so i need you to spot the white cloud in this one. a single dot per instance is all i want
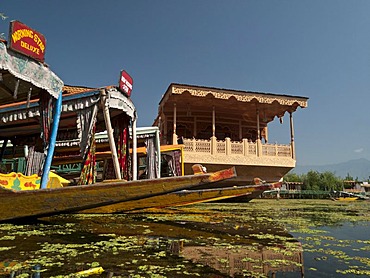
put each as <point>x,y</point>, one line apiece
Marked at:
<point>359,150</point>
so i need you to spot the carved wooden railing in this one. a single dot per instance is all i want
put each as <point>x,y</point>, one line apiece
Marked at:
<point>228,147</point>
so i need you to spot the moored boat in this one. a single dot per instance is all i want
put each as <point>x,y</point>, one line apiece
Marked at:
<point>347,196</point>
<point>179,198</point>
<point>45,202</point>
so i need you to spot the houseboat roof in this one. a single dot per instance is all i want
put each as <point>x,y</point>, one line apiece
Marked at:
<point>21,118</point>
<point>228,101</point>
<point>22,78</point>
<point>228,91</point>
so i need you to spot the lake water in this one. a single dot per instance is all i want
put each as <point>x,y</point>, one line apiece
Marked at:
<point>263,238</point>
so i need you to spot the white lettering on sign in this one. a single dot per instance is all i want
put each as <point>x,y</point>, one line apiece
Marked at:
<point>127,86</point>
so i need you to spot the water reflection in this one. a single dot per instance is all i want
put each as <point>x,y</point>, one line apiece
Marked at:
<point>249,261</point>
<point>15,269</point>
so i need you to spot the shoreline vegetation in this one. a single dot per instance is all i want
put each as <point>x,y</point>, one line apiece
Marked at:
<point>304,194</point>
<point>319,185</point>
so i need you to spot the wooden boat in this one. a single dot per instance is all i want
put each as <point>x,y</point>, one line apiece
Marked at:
<point>44,202</point>
<point>198,194</point>
<point>178,198</point>
<point>260,187</point>
<point>344,196</point>
<point>346,199</point>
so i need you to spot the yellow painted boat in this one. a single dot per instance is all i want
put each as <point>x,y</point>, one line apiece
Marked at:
<point>179,198</point>
<point>51,201</point>
<point>347,199</point>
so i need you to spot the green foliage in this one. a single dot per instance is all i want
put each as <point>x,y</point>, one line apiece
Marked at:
<point>348,178</point>
<point>313,180</point>
<point>292,177</point>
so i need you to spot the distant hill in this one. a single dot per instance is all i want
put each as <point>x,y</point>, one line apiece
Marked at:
<point>357,168</point>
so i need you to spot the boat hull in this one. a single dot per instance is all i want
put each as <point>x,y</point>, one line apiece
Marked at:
<point>45,202</point>
<point>178,198</point>
<point>347,199</point>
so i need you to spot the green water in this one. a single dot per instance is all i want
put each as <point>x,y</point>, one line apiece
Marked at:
<point>263,238</point>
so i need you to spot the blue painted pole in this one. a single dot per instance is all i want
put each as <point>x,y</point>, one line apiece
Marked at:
<point>52,141</point>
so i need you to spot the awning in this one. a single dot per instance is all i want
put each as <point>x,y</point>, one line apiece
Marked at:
<point>14,67</point>
<point>118,101</point>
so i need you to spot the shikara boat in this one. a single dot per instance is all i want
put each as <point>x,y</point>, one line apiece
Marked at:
<point>51,201</point>
<point>178,198</point>
<point>347,196</point>
<point>259,187</point>
<point>199,194</point>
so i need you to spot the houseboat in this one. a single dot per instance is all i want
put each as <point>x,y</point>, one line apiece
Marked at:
<point>222,127</point>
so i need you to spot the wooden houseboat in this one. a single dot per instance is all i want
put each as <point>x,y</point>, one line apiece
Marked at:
<point>221,127</point>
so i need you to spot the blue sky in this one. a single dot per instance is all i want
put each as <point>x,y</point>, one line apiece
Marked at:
<point>317,49</point>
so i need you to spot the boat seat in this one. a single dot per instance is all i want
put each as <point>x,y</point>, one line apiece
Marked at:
<point>18,181</point>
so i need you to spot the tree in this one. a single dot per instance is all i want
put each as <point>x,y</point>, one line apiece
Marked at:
<point>312,180</point>
<point>348,178</point>
<point>329,182</point>
<point>292,177</point>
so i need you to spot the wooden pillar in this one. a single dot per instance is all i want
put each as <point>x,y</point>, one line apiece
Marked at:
<point>245,147</point>
<point>292,144</point>
<point>228,146</point>
<point>134,149</point>
<point>240,130</point>
<point>174,135</point>
<point>108,126</point>
<point>258,141</point>
<point>195,127</point>
<point>158,149</point>
<point>258,125</point>
<point>213,122</point>
<point>165,131</point>
<point>213,138</point>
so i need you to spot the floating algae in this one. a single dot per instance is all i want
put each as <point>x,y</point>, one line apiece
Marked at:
<point>315,238</point>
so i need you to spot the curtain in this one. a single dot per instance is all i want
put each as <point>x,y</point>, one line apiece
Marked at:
<point>121,132</point>
<point>177,159</point>
<point>89,172</point>
<point>151,159</point>
<point>173,160</point>
<point>37,152</point>
<point>121,137</point>
<point>35,160</point>
<point>86,120</point>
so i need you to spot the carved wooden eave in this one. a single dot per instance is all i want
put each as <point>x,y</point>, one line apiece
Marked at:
<point>242,96</point>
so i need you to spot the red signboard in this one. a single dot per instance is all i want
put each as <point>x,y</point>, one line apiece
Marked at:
<point>27,41</point>
<point>125,83</point>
